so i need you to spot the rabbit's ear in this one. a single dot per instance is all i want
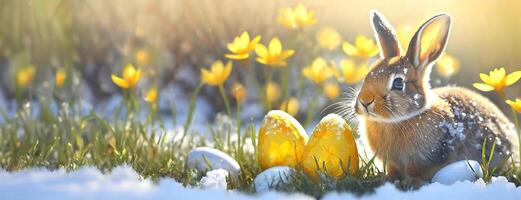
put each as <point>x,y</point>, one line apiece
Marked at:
<point>429,41</point>
<point>384,32</point>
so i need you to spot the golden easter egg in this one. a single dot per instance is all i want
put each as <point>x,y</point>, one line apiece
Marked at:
<point>331,149</point>
<point>281,141</point>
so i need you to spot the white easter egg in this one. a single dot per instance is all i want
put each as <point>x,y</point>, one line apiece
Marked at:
<point>205,159</point>
<point>273,177</point>
<point>464,170</point>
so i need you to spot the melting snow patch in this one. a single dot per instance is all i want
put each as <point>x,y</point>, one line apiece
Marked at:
<point>215,179</point>
<point>499,188</point>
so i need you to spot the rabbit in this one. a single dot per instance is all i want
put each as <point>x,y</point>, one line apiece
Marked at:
<point>418,130</point>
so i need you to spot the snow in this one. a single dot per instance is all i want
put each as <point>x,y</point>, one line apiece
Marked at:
<point>499,188</point>
<point>125,183</point>
<point>215,179</point>
<point>120,183</point>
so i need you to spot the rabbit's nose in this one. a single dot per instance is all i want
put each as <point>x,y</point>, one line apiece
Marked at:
<point>366,103</point>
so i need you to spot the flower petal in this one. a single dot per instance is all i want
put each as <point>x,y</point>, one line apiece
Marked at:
<point>286,54</point>
<point>129,71</point>
<point>275,47</point>
<point>512,78</point>
<point>261,50</point>
<point>483,87</point>
<point>207,77</point>
<point>237,56</point>
<point>254,43</point>
<point>227,70</point>
<point>119,81</point>
<point>349,49</point>
<point>485,78</point>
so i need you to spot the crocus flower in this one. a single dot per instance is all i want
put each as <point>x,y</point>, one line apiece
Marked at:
<point>497,80</point>
<point>217,74</point>
<point>364,47</point>
<point>273,55</point>
<point>130,77</point>
<point>241,46</point>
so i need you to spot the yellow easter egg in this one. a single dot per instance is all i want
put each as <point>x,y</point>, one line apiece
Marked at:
<point>331,149</point>
<point>281,141</point>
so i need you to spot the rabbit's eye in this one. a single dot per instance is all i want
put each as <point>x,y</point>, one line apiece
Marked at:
<point>397,84</point>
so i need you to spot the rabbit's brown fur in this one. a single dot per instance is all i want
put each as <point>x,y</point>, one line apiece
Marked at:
<point>420,129</point>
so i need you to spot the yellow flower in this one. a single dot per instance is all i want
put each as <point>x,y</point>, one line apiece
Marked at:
<point>351,74</point>
<point>328,38</point>
<point>516,105</point>
<point>272,92</point>
<point>331,90</point>
<point>25,76</point>
<point>291,106</point>
<point>130,78</point>
<point>242,46</point>
<point>318,72</point>
<point>405,33</point>
<point>447,66</point>
<point>151,96</point>
<point>273,55</point>
<point>296,18</point>
<point>142,57</point>
<point>60,77</point>
<point>364,47</point>
<point>217,74</point>
<point>239,92</point>
<point>497,80</point>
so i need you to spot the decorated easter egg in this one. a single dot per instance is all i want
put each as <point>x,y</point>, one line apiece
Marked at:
<point>331,149</point>
<point>465,170</point>
<point>273,178</point>
<point>281,140</point>
<point>205,159</point>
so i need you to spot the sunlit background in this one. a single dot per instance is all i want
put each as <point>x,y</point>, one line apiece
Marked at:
<point>171,41</point>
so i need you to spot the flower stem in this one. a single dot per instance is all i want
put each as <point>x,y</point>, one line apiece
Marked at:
<point>268,81</point>
<point>312,107</point>
<point>191,108</point>
<point>239,129</point>
<point>225,99</point>
<point>516,123</point>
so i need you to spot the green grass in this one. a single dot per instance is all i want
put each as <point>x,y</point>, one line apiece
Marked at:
<point>69,140</point>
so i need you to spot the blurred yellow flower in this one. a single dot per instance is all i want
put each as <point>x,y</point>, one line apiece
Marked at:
<point>296,18</point>
<point>151,96</point>
<point>516,105</point>
<point>364,47</point>
<point>273,55</point>
<point>25,76</point>
<point>447,65</point>
<point>60,77</point>
<point>405,33</point>
<point>241,46</point>
<point>350,74</point>
<point>131,76</point>
<point>318,71</point>
<point>239,92</point>
<point>142,57</point>
<point>332,90</point>
<point>217,74</point>
<point>291,106</point>
<point>272,92</point>
<point>497,80</point>
<point>328,38</point>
